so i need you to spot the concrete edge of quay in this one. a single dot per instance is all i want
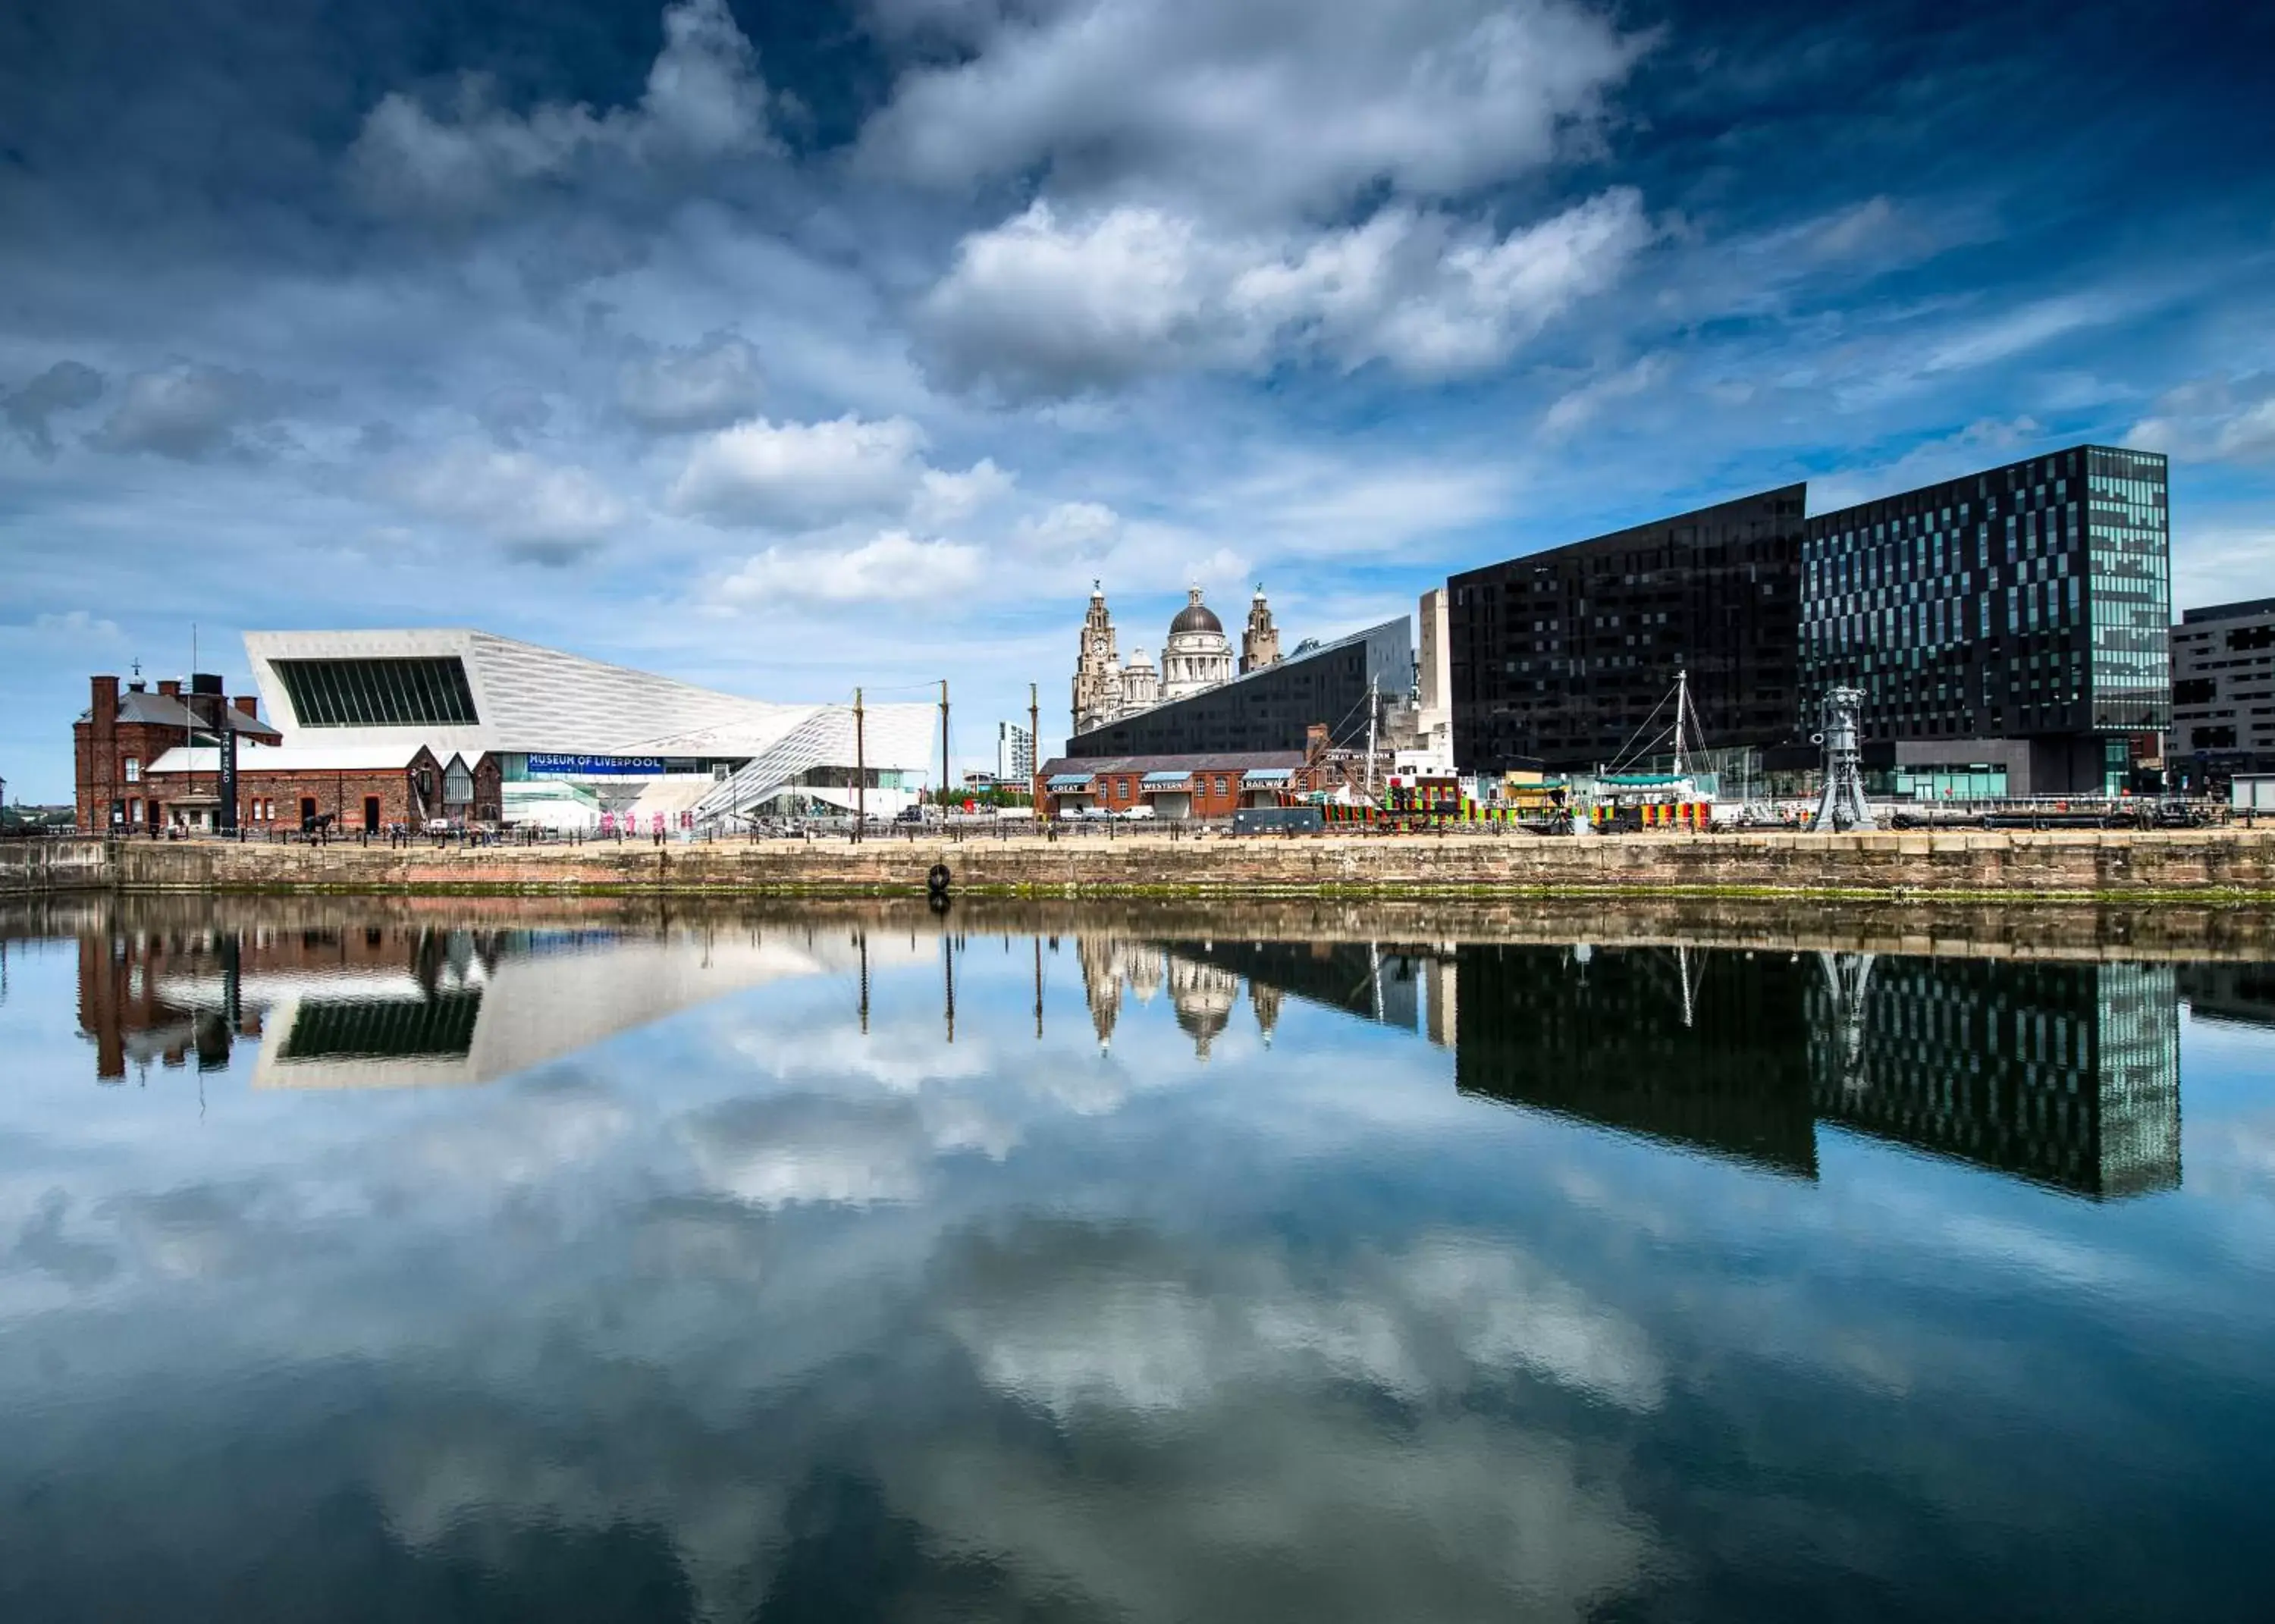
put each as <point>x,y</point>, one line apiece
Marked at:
<point>2224,866</point>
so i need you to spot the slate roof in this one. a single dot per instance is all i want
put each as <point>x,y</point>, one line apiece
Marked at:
<point>164,711</point>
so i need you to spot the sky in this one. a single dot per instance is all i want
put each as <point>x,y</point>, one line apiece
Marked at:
<point>786,348</point>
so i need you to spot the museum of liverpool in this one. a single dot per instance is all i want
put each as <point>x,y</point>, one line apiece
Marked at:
<point>562,741</point>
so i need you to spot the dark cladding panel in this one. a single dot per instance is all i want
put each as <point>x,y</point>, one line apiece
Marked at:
<point>1271,709</point>
<point>1561,657</point>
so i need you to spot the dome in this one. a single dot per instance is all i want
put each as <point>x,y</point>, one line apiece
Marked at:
<point>1195,616</point>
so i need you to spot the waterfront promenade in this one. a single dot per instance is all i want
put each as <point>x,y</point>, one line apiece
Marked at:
<point>2056,864</point>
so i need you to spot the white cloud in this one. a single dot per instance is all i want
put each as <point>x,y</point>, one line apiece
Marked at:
<point>543,512</point>
<point>2023,329</point>
<point>705,385</point>
<point>2213,419</point>
<point>1276,104</point>
<point>704,99</point>
<point>801,476</point>
<point>1043,306</point>
<point>943,498</point>
<point>1581,406</point>
<point>893,567</point>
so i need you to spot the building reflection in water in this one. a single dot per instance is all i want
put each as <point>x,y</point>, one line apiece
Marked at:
<point>405,1006</point>
<point>1666,1043</point>
<point>2238,994</point>
<point>2063,1072</point>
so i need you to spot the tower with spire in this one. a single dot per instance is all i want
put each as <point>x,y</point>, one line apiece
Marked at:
<point>1259,645</point>
<point>1097,670</point>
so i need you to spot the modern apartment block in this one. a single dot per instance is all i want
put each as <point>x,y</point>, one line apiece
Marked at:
<point>1560,658</point>
<point>2009,628</point>
<point>2223,692</point>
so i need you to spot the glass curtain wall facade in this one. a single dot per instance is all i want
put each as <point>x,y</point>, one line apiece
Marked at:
<point>1561,657</point>
<point>2030,601</point>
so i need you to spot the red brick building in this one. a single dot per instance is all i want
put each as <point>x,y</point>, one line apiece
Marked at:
<point>1205,786</point>
<point>125,730</point>
<point>355,789</point>
<point>145,761</point>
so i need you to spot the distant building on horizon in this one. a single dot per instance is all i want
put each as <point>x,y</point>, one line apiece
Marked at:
<point>2223,659</point>
<point>1015,753</point>
<point>1331,685</point>
<point>1196,656</point>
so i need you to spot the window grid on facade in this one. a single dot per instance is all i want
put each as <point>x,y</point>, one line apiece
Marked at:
<point>389,692</point>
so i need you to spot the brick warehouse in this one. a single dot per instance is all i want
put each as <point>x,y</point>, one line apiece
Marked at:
<point>141,767</point>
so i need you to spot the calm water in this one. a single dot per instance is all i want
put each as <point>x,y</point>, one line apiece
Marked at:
<point>392,1265</point>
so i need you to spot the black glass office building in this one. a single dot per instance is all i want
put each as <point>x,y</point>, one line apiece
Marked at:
<point>2008,629</point>
<point>1560,658</point>
<point>1333,685</point>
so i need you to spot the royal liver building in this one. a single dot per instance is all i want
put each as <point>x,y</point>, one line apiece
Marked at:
<point>1196,656</point>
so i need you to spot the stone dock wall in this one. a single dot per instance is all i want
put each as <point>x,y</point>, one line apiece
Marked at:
<point>2076,864</point>
<point>41,867</point>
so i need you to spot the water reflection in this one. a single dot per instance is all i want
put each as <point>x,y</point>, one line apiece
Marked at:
<point>860,1262</point>
<point>2062,1072</point>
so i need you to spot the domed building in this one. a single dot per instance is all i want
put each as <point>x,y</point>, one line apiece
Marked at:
<point>1195,657</point>
<point>1198,655</point>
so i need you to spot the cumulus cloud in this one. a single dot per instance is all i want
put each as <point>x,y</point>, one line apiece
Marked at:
<point>942,497</point>
<point>894,567</point>
<point>193,412</point>
<point>67,386</point>
<point>800,476</point>
<point>1275,104</point>
<point>705,385</point>
<point>542,512</point>
<point>704,99</point>
<point>2213,419</point>
<point>1045,304</point>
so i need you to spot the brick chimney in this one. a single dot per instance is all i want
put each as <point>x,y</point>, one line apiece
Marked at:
<point>170,687</point>
<point>247,705</point>
<point>98,774</point>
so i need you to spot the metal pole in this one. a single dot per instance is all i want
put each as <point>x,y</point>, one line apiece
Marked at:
<point>943,753</point>
<point>860,809</point>
<point>1371,707</point>
<point>1034,758</point>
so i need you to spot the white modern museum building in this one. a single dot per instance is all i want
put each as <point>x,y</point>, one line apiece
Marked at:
<point>575,740</point>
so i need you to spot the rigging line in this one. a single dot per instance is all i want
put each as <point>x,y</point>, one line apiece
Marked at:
<point>1624,750</point>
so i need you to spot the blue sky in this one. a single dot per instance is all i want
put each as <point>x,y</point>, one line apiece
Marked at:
<point>791,347</point>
